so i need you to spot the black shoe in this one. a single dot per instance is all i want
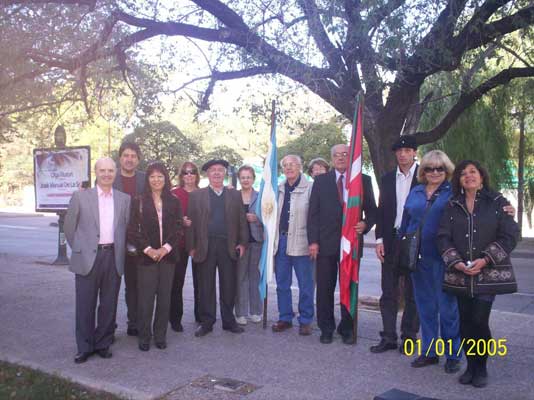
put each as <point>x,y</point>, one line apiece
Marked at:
<point>144,346</point>
<point>80,358</point>
<point>234,329</point>
<point>177,327</point>
<point>467,377</point>
<point>452,366</point>
<point>161,346</point>
<point>383,346</point>
<point>104,353</point>
<point>132,332</point>
<point>423,361</point>
<point>202,331</point>
<point>480,379</point>
<point>326,338</point>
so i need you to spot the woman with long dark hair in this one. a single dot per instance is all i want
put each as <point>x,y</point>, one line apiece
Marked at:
<point>475,239</point>
<point>155,228</point>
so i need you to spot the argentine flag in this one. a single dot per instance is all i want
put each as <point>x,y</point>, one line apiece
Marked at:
<point>267,209</point>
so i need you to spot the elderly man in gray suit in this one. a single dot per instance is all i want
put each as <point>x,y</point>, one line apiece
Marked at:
<point>95,228</point>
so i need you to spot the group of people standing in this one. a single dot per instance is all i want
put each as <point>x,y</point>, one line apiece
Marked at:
<point>464,224</point>
<point>218,228</point>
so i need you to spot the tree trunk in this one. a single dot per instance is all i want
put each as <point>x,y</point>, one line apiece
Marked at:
<point>521,172</point>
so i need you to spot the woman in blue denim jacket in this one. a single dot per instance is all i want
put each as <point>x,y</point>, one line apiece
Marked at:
<point>438,310</point>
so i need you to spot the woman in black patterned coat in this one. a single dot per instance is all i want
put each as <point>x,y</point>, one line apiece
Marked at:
<point>475,239</point>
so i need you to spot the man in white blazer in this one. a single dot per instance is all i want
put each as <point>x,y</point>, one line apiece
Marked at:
<point>95,228</point>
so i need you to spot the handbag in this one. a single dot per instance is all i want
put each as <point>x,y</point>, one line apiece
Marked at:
<point>409,245</point>
<point>131,249</point>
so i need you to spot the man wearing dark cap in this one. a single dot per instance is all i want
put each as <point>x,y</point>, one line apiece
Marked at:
<point>394,189</point>
<point>217,237</point>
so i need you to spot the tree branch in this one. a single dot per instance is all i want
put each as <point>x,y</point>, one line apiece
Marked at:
<point>376,17</point>
<point>476,33</point>
<point>35,106</point>
<point>515,54</point>
<point>223,13</point>
<point>19,78</point>
<point>90,3</point>
<point>467,99</point>
<point>317,79</point>
<point>429,55</point>
<point>479,63</point>
<point>317,31</point>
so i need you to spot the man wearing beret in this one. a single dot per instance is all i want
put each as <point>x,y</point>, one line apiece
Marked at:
<point>394,189</point>
<point>217,237</point>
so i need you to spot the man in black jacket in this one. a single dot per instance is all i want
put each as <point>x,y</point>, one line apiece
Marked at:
<point>394,189</point>
<point>325,217</point>
<point>132,182</point>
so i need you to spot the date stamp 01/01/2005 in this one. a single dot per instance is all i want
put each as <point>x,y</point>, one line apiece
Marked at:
<point>472,347</point>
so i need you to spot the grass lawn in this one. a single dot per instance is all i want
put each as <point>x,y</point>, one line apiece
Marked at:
<point>21,383</point>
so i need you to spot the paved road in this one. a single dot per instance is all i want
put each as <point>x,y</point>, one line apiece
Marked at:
<point>30,235</point>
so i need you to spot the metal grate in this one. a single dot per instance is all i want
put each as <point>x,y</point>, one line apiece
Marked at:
<point>224,384</point>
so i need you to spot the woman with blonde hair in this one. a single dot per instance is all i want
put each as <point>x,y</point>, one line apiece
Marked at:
<point>438,310</point>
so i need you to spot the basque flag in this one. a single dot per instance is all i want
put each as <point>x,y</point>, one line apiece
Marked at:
<point>349,264</point>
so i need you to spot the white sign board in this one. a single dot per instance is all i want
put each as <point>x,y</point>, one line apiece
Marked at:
<point>57,174</point>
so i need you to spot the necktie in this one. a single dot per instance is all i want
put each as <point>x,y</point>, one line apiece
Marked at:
<point>340,188</point>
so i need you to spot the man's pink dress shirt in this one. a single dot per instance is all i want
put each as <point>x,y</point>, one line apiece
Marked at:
<point>105,215</point>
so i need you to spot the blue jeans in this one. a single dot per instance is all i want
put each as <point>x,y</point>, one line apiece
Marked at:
<point>438,310</point>
<point>284,273</point>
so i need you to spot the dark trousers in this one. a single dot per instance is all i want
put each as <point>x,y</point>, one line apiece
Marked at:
<point>327,267</point>
<point>474,324</point>
<point>177,302</point>
<point>130,289</point>
<point>100,285</point>
<point>154,284</point>
<point>217,258</point>
<point>389,304</point>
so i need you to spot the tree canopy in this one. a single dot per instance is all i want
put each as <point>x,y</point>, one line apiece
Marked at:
<point>336,48</point>
<point>163,141</point>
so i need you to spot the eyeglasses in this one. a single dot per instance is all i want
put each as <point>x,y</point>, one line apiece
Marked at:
<point>341,155</point>
<point>189,172</point>
<point>434,169</point>
<point>290,165</point>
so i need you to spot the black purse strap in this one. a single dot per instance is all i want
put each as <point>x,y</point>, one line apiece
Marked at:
<point>429,203</point>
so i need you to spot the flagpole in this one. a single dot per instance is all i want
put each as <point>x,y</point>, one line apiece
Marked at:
<point>265,303</point>
<point>360,98</point>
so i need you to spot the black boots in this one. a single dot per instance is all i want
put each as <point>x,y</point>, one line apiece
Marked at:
<point>476,372</point>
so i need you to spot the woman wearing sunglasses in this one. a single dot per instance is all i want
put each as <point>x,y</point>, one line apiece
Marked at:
<point>188,180</point>
<point>438,310</point>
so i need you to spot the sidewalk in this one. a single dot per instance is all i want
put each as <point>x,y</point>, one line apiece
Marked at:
<point>37,330</point>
